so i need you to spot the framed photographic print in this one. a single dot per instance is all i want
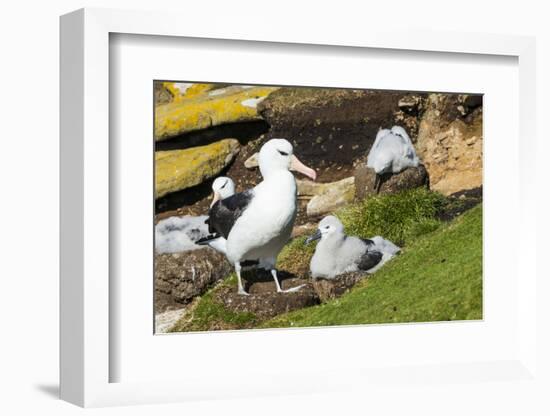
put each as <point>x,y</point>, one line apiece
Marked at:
<point>330,222</point>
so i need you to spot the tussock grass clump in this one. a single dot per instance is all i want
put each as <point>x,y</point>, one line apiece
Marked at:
<point>398,218</point>
<point>295,257</point>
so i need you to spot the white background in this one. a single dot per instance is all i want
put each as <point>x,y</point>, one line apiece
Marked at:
<point>145,358</point>
<point>29,114</point>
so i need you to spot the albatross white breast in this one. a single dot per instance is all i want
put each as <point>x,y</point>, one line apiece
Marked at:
<point>258,223</point>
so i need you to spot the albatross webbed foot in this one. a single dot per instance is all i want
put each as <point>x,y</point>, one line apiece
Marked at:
<point>292,289</point>
<point>279,290</point>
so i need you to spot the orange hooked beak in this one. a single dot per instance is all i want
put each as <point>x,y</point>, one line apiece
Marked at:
<point>298,166</point>
<point>215,199</point>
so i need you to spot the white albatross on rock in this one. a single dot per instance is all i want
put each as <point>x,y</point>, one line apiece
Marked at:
<point>258,223</point>
<point>337,253</point>
<point>391,152</point>
<point>222,187</point>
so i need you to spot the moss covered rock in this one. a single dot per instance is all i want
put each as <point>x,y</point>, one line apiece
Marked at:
<point>180,169</point>
<point>218,106</point>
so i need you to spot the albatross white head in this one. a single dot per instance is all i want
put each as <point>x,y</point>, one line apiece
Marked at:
<point>277,154</point>
<point>329,228</point>
<point>223,187</point>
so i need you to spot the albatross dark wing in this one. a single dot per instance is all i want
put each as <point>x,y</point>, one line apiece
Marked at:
<point>370,258</point>
<point>225,212</point>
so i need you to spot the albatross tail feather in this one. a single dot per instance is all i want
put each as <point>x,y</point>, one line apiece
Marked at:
<point>205,240</point>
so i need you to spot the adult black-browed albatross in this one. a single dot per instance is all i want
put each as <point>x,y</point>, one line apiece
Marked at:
<point>392,152</point>
<point>337,253</point>
<point>257,223</point>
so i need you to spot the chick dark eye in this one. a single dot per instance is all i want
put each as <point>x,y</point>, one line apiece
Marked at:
<point>283,153</point>
<point>223,186</point>
<point>327,227</point>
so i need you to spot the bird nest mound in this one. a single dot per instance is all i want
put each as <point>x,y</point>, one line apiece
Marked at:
<point>263,300</point>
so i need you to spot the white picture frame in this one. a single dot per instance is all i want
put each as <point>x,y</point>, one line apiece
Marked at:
<point>86,356</point>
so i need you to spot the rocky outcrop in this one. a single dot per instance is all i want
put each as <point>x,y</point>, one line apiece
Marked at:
<point>180,169</point>
<point>328,289</point>
<point>391,183</point>
<point>168,92</point>
<point>450,142</point>
<point>183,90</point>
<point>207,109</point>
<point>304,229</point>
<point>166,320</point>
<point>410,109</point>
<point>161,93</point>
<point>182,276</point>
<point>332,196</point>
<point>252,161</point>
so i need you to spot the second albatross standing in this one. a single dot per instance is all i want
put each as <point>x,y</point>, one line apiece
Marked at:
<point>223,187</point>
<point>258,223</point>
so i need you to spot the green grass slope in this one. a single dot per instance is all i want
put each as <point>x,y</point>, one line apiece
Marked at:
<point>438,277</point>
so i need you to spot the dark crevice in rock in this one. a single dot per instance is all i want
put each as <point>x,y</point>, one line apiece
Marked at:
<point>198,196</point>
<point>243,132</point>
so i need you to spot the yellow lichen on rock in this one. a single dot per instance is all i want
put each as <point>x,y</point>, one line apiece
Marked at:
<point>225,105</point>
<point>180,169</point>
<point>183,91</point>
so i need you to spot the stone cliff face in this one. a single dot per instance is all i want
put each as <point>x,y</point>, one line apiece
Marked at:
<point>450,142</point>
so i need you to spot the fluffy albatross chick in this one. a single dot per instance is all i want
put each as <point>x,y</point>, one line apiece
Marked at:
<point>337,253</point>
<point>222,187</point>
<point>392,152</point>
<point>257,223</point>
